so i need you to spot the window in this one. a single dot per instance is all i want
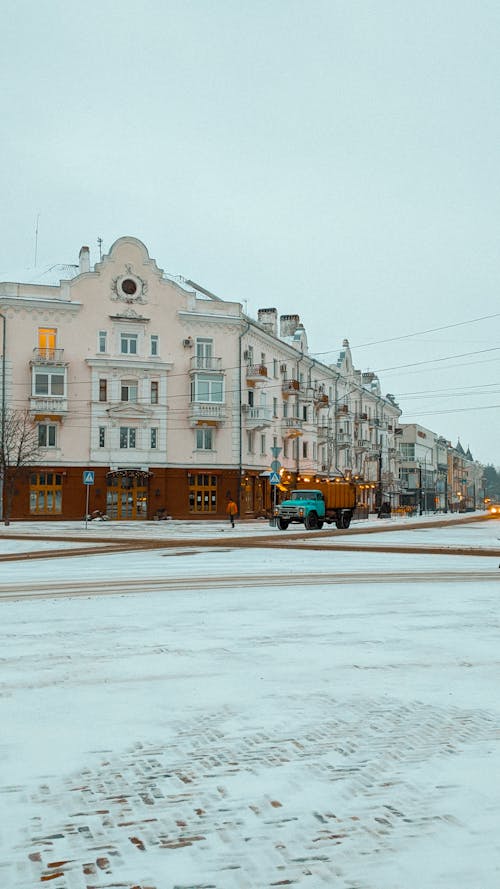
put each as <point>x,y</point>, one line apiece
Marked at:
<point>202,492</point>
<point>128,343</point>
<point>262,445</point>
<point>207,388</point>
<point>285,408</point>
<point>154,344</point>
<point>285,447</point>
<point>205,439</point>
<point>46,435</point>
<point>102,436</point>
<point>154,391</point>
<point>275,441</point>
<point>304,412</point>
<point>49,382</point>
<point>407,449</point>
<point>204,353</point>
<point>47,341</point>
<point>304,449</point>
<point>250,440</point>
<point>275,407</point>
<point>45,493</point>
<point>127,437</point>
<point>275,367</point>
<point>315,451</point>
<point>102,341</point>
<point>250,398</point>
<point>154,437</point>
<point>103,390</point>
<point>129,390</point>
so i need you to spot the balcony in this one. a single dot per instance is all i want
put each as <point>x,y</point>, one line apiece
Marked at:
<point>320,399</point>
<point>343,438</point>
<point>257,417</point>
<point>200,412</point>
<point>45,404</point>
<point>342,409</point>
<point>48,357</point>
<point>324,431</point>
<point>292,427</point>
<point>205,362</point>
<point>290,387</point>
<point>256,372</point>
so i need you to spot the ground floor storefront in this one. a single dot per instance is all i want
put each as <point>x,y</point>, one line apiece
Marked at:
<point>135,494</point>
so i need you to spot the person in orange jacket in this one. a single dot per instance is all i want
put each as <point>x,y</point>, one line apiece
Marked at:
<point>231,510</point>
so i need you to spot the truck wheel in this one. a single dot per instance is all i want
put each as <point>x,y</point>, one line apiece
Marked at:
<point>311,521</point>
<point>338,522</point>
<point>320,524</point>
<point>282,524</point>
<point>346,520</point>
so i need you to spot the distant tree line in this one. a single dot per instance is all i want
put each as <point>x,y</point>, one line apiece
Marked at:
<point>492,482</point>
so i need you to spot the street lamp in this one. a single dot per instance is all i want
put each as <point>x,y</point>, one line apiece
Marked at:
<point>2,418</point>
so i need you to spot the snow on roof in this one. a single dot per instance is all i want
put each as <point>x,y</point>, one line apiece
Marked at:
<point>49,276</point>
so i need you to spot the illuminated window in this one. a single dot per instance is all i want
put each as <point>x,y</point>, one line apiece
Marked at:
<point>45,493</point>
<point>47,340</point>
<point>202,492</point>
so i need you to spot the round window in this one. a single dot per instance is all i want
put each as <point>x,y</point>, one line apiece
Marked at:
<point>129,286</point>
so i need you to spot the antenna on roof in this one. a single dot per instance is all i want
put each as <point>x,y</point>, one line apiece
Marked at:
<point>36,238</point>
<point>99,244</point>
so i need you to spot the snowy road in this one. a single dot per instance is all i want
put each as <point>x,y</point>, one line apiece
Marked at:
<point>240,719</point>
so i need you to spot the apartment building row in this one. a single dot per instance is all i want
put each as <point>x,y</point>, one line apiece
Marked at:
<point>174,399</point>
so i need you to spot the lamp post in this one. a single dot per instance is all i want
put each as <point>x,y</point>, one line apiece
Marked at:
<point>2,419</point>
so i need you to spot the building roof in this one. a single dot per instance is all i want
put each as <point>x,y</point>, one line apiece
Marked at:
<point>50,275</point>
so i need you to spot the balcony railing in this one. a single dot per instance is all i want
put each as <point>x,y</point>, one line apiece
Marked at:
<point>205,362</point>
<point>257,417</point>
<point>321,399</point>
<point>48,356</point>
<point>199,412</point>
<point>46,404</point>
<point>256,371</point>
<point>292,426</point>
<point>290,387</point>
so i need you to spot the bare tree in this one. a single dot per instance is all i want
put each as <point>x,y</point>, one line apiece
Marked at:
<point>19,453</point>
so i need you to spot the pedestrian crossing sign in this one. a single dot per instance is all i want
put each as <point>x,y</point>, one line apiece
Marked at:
<point>88,477</point>
<point>274,478</point>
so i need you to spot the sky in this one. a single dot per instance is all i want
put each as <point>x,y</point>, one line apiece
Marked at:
<point>338,160</point>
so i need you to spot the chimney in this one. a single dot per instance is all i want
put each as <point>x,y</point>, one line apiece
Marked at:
<point>288,325</point>
<point>268,318</point>
<point>84,260</point>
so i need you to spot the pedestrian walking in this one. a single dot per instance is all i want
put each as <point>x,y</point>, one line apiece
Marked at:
<point>231,510</point>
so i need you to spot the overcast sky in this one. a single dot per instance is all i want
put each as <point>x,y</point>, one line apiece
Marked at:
<point>332,158</point>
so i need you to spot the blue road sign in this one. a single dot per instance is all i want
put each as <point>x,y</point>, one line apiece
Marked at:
<point>88,477</point>
<point>275,465</point>
<point>274,478</point>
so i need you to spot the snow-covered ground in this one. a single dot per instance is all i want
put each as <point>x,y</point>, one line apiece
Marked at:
<point>223,734</point>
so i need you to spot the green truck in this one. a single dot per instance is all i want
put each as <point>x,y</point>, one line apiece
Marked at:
<point>331,502</point>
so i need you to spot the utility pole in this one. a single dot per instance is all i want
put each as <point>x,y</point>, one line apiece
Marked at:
<point>2,420</point>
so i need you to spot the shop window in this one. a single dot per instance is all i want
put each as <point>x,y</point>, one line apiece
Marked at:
<point>202,492</point>
<point>45,493</point>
